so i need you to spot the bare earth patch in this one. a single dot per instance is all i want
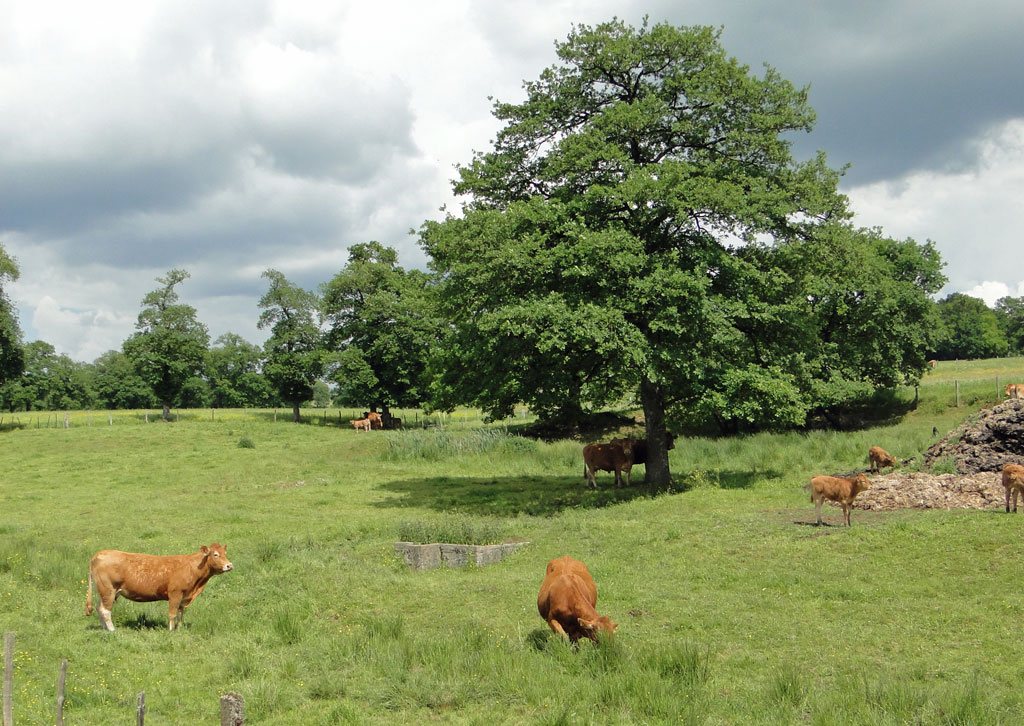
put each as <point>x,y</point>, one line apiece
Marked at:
<point>979,447</point>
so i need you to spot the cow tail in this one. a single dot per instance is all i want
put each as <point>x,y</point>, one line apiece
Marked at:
<point>88,593</point>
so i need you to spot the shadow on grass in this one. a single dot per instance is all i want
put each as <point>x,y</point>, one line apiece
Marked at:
<point>143,621</point>
<point>532,495</point>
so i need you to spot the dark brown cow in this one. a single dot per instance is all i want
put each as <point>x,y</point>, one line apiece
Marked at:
<point>639,447</point>
<point>1013,481</point>
<point>607,457</point>
<point>837,489</point>
<point>178,579</point>
<point>567,600</point>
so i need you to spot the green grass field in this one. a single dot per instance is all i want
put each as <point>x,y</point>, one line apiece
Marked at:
<point>732,607</point>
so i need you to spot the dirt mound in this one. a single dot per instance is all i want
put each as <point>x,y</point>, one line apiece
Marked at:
<point>914,490</point>
<point>979,449</point>
<point>986,441</point>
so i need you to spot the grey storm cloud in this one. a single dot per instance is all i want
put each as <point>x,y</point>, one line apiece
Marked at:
<point>229,137</point>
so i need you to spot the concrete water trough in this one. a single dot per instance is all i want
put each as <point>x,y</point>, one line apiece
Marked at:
<point>429,556</point>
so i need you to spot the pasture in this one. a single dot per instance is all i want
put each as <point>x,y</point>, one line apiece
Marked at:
<point>732,607</point>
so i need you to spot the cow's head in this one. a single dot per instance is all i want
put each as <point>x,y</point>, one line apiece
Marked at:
<point>601,622</point>
<point>862,482</point>
<point>217,557</point>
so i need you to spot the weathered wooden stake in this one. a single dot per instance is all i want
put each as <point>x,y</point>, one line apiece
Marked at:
<point>110,418</point>
<point>211,414</point>
<point>8,717</point>
<point>957,384</point>
<point>67,419</point>
<point>61,677</point>
<point>140,709</point>
<point>232,710</point>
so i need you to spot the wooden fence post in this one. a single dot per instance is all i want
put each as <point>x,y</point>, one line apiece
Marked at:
<point>67,419</point>
<point>8,717</point>
<point>957,384</point>
<point>232,710</point>
<point>140,709</point>
<point>61,678</point>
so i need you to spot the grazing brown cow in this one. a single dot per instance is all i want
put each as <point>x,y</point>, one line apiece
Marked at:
<point>1013,480</point>
<point>836,489</point>
<point>640,447</point>
<point>1015,390</point>
<point>931,363</point>
<point>567,600</point>
<point>880,458</point>
<point>608,457</point>
<point>360,424</point>
<point>178,579</point>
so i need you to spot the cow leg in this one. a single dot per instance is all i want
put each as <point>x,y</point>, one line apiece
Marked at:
<point>1007,500</point>
<point>174,608</point>
<point>817,510</point>
<point>591,480</point>
<point>557,628</point>
<point>628,468</point>
<point>846,513</point>
<point>1015,493</point>
<point>108,595</point>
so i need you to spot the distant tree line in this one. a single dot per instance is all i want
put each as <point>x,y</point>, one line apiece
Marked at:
<point>638,235</point>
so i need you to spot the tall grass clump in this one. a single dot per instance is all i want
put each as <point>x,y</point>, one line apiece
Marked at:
<point>453,529</point>
<point>439,443</point>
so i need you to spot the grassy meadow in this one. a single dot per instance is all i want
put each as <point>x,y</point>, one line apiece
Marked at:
<point>732,607</point>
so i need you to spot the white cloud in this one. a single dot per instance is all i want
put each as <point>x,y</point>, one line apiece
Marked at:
<point>974,216</point>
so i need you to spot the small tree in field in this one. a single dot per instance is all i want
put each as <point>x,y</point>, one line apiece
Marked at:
<point>169,346</point>
<point>381,323</point>
<point>294,358</point>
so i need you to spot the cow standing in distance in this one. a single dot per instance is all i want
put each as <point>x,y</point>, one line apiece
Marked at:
<point>607,457</point>
<point>178,579</point>
<point>1013,481</point>
<point>879,459</point>
<point>836,489</point>
<point>567,600</point>
<point>1014,390</point>
<point>360,424</point>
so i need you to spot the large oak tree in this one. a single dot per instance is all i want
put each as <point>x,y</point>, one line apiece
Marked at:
<point>638,228</point>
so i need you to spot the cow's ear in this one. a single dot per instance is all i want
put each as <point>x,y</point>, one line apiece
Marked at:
<point>205,550</point>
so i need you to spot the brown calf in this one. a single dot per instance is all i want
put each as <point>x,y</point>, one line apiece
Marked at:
<point>1013,481</point>
<point>879,458</point>
<point>178,579</point>
<point>836,489</point>
<point>360,424</point>
<point>608,457</point>
<point>567,600</point>
<point>1015,390</point>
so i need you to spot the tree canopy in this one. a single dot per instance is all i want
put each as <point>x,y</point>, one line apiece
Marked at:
<point>169,345</point>
<point>295,358</point>
<point>12,353</point>
<point>381,322</point>
<point>968,329</point>
<point>640,228</point>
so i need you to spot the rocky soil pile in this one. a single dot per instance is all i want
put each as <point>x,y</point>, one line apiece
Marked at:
<point>979,448</point>
<point>986,441</point>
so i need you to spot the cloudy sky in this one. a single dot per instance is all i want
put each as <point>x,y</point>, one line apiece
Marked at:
<point>229,136</point>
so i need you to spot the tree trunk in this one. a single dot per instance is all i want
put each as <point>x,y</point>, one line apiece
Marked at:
<point>167,411</point>
<point>653,398</point>
<point>296,416</point>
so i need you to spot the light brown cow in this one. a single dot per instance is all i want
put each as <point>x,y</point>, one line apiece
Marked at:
<point>1013,481</point>
<point>836,489</point>
<point>375,419</point>
<point>178,579</point>
<point>931,363</point>
<point>360,424</point>
<point>567,600</point>
<point>608,457</point>
<point>1015,390</point>
<point>879,458</point>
